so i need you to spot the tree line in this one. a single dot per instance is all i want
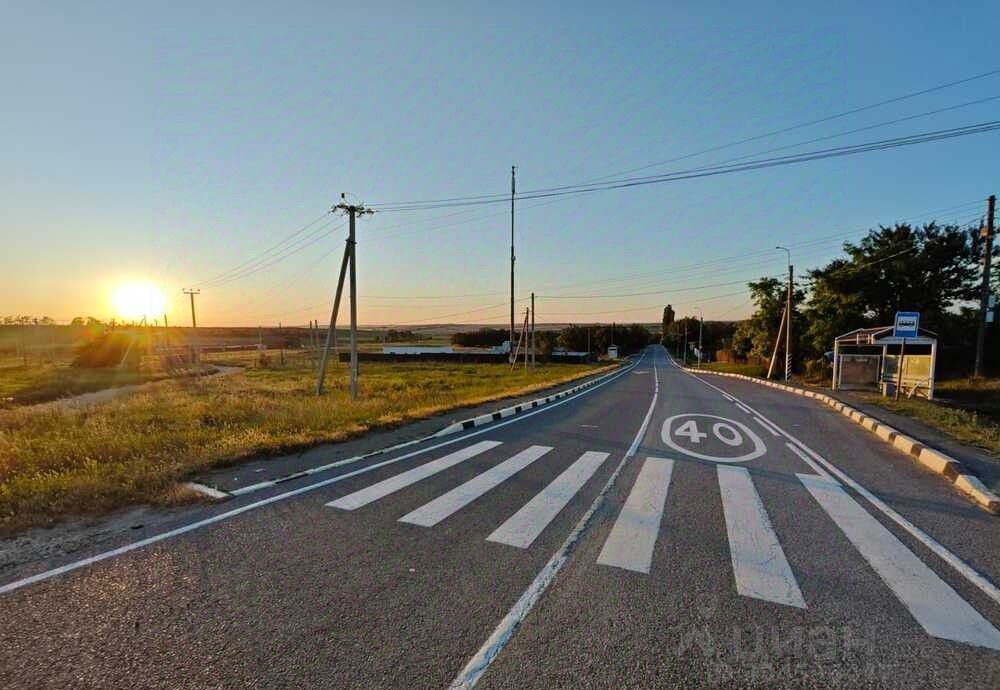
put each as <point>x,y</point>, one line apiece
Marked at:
<point>597,339</point>
<point>933,269</point>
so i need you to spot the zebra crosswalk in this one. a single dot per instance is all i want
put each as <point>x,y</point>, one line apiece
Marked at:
<point>760,567</point>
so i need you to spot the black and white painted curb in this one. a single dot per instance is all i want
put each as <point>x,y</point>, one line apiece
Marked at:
<point>481,420</point>
<point>485,419</point>
<point>931,458</point>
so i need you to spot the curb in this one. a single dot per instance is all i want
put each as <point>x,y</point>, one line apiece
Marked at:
<point>481,420</point>
<point>931,458</point>
<point>485,419</point>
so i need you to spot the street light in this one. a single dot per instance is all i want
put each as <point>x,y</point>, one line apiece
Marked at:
<point>788,317</point>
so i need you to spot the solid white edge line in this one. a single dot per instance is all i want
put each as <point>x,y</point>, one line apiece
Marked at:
<point>75,565</point>
<point>501,635</point>
<point>963,568</point>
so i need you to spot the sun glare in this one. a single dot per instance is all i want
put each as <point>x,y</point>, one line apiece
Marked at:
<point>135,301</point>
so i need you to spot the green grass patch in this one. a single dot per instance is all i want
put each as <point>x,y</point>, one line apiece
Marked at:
<point>735,368</point>
<point>59,461</point>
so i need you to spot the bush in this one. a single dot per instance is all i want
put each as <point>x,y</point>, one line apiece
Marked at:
<point>818,370</point>
<point>484,337</point>
<point>108,350</point>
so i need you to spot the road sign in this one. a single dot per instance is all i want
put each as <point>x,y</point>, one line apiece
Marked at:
<point>907,324</point>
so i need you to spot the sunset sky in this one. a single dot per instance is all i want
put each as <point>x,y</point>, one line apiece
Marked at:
<point>170,144</point>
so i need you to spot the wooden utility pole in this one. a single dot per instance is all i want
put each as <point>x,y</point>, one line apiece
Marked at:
<point>984,296</point>
<point>512,192</point>
<point>196,351</point>
<point>349,262</point>
<point>191,294</point>
<point>777,343</point>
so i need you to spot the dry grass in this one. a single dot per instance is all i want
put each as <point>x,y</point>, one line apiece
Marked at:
<point>968,410</point>
<point>55,462</point>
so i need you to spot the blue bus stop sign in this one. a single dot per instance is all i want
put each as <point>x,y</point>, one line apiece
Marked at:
<point>907,324</point>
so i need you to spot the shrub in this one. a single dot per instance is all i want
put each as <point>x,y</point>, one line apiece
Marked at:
<point>110,349</point>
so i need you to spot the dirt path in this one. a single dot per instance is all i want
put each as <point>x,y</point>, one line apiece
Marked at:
<point>108,394</point>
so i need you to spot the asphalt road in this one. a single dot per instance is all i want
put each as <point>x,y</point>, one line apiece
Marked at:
<point>660,530</point>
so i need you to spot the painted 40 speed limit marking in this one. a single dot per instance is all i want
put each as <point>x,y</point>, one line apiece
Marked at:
<point>689,433</point>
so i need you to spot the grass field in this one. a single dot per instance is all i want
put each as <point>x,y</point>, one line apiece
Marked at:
<point>35,383</point>
<point>55,462</point>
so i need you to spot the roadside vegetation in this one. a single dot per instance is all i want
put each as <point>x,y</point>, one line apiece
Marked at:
<point>968,410</point>
<point>757,370</point>
<point>60,461</point>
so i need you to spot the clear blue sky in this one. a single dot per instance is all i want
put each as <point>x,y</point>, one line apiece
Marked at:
<point>170,142</point>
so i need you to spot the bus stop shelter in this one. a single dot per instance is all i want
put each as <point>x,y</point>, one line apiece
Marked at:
<point>875,359</point>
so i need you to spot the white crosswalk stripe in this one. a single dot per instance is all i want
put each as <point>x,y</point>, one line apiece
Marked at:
<point>759,565</point>
<point>760,568</point>
<point>405,479</point>
<point>437,510</point>
<point>630,544</point>
<point>526,524</point>
<point>933,603</point>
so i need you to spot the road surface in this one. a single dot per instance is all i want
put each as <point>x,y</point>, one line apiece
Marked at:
<point>660,530</point>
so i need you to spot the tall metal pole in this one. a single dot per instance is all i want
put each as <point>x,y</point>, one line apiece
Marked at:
<point>685,361</point>
<point>701,323</point>
<point>354,305</point>
<point>532,330</point>
<point>984,296</point>
<point>788,322</point>
<point>512,192</point>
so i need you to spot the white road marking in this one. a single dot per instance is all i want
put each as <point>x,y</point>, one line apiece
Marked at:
<point>481,660</point>
<point>742,406</point>
<point>759,565</point>
<point>960,566</point>
<point>809,461</point>
<point>766,425</point>
<point>933,603</point>
<point>689,429</point>
<point>526,524</point>
<point>633,537</point>
<point>402,480</point>
<point>441,507</point>
<point>220,517</point>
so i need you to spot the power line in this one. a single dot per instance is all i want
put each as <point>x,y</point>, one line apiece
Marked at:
<point>803,125</point>
<point>852,111</point>
<point>722,169</point>
<point>266,251</point>
<point>320,233</point>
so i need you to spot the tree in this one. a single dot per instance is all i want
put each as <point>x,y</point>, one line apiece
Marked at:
<point>929,269</point>
<point>668,319</point>
<point>754,337</point>
<point>483,337</point>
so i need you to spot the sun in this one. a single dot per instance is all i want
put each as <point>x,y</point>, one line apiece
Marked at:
<point>135,301</point>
